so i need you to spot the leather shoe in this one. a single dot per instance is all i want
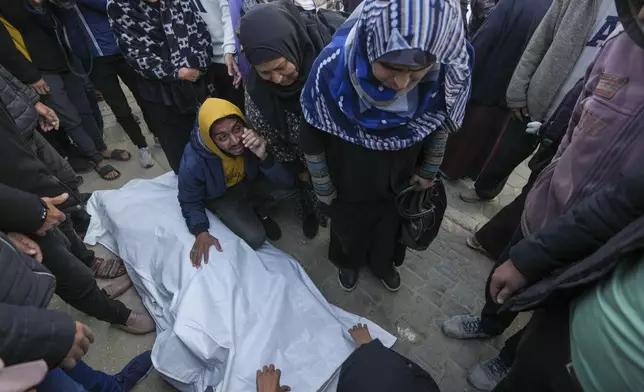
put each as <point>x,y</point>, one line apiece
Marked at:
<point>392,280</point>
<point>348,278</point>
<point>138,323</point>
<point>117,286</point>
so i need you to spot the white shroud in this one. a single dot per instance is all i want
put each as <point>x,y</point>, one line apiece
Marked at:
<point>220,323</point>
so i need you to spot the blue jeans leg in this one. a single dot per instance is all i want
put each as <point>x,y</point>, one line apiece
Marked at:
<point>81,378</point>
<point>93,380</point>
<point>57,380</point>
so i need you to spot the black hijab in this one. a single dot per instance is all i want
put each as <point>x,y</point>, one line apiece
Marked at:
<point>280,29</point>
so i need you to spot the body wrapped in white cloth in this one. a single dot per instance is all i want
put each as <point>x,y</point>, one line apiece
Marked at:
<point>218,324</point>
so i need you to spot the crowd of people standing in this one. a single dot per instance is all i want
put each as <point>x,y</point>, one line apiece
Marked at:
<point>342,106</point>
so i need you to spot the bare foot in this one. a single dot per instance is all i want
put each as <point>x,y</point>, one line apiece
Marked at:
<point>268,380</point>
<point>360,334</point>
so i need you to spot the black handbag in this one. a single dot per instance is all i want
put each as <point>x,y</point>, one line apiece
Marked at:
<point>422,213</point>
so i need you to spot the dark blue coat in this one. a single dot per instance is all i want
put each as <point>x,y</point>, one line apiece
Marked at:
<point>87,29</point>
<point>202,178</point>
<point>499,44</point>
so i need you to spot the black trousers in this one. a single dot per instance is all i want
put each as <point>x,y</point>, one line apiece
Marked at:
<point>514,147</point>
<point>173,129</point>
<point>75,282</point>
<point>76,245</point>
<point>221,85</point>
<point>541,363</point>
<point>494,323</point>
<point>105,74</point>
<point>495,235</point>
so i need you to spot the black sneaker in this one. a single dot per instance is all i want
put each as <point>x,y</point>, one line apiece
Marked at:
<point>392,280</point>
<point>310,226</point>
<point>348,278</point>
<point>272,229</point>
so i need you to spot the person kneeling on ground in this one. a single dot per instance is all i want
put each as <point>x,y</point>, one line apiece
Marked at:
<point>220,171</point>
<point>372,367</point>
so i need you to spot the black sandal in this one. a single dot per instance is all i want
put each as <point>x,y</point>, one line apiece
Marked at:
<point>105,170</point>
<point>117,155</point>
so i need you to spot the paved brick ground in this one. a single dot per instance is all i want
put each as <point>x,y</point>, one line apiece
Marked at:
<point>445,280</point>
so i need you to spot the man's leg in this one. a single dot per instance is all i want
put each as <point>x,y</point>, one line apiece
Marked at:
<point>511,347</point>
<point>543,355</point>
<point>105,78</point>
<point>493,323</point>
<point>76,245</point>
<point>173,130</point>
<point>93,380</point>
<point>498,231</point>
<point>131,80</point>
<point>490,323</point>
<point>70,119</point>
<point>57,380</point>
<point>75,282</point>
<point>217,76</point>
<point>515,146</point>
<point>237,213</point>
<point>56,163</point>
<point>77,93</point>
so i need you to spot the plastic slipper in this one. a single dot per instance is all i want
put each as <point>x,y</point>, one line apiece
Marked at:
<point>117,155</point>
<point>107,169</point>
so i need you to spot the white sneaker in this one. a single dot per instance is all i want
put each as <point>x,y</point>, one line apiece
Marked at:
<point>157,142</point>
<point>486,375</point>
<point>145,157</point>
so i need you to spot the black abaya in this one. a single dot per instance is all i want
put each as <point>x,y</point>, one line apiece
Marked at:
<point>364,220</point>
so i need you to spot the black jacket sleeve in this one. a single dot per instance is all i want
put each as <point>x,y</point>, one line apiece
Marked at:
<point>583,229</point>
<point>29,333</point>
<point>28,94</point>
<point>19,211</point>
<point>14,61</point>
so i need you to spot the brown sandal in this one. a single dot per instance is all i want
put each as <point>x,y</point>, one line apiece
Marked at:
<point>108,269</point>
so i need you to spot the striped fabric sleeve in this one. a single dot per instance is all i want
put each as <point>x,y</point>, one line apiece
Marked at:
<point>320,176</point>
<point>433,151</point>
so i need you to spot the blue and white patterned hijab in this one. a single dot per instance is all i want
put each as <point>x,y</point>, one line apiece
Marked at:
<point>342,97</point>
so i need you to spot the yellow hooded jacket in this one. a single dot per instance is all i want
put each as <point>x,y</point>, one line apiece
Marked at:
<point>214,109</point>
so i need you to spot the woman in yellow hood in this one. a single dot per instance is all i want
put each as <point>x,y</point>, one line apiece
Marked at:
<point>221,171</point>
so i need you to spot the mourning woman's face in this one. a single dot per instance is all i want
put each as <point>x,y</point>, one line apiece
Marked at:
<point>279,71</point>
<point>397,77</point>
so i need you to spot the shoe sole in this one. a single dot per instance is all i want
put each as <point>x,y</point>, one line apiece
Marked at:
<point>478,388</point>
<point>132,330</point>
<point>472,200</point>
<point>393,290</point>
<point>470,244</point>
<point>463,337</point>
<point>348,290</point>
<point>468,200</point>
<point>118,293</point>
<point>145,375</point>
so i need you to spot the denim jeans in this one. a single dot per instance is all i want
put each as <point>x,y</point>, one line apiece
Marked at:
<point>81,378</point>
